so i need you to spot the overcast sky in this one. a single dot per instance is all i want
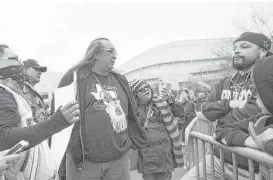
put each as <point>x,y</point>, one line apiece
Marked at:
<point>58,32</point>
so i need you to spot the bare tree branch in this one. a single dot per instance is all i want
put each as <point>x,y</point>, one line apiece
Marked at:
<point>242,27</point>
<point>260,23</point>
<point>263,23</point>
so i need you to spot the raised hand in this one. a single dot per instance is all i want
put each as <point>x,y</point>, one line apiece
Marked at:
<point>166,93</point>
<point>71,112</point>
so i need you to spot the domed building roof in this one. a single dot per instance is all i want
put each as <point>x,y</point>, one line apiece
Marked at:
<point>176,52</point>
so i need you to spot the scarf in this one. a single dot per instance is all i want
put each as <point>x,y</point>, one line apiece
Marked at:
<point>172,128</point>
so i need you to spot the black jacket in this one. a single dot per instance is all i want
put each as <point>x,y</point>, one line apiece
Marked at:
<point>136,133</point>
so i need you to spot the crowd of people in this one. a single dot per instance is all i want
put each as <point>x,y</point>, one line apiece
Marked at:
<point>112,116</point>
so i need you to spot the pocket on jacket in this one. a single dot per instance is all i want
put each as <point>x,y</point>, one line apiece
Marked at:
<point>152,160</point>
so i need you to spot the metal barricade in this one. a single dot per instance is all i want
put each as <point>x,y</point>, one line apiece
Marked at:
<point>251,154</point>
<point>197,125</point>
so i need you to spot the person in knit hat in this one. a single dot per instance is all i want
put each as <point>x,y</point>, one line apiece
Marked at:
<point>234,91</point>
<point>164,149</point>
<point>239,133</point>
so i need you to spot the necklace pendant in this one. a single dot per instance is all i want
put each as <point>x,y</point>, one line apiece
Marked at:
<point>118,111</point>
<point>237,87</point>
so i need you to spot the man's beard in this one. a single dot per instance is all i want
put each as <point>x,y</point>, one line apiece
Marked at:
<point>243,64</point>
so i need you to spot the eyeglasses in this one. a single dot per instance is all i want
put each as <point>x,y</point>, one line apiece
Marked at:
<point>253,90</point>
<point>111,51</point>
<point>143,89</point>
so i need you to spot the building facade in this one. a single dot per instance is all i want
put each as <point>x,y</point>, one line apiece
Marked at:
<point>180,63</point>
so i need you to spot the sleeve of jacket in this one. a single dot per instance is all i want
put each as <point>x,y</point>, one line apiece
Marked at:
<point>250,109</point>
<point>10,133</point>
<point>234,134</point>
<point>211,111</point>
<point>136,133</point>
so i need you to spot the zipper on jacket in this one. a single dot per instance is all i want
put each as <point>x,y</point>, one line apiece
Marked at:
<point>80,165</point>
<point>83,158</point>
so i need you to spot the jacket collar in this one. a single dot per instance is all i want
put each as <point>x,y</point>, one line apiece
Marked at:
<point>32,89</point>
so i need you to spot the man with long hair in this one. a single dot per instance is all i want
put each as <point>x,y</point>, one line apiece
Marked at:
<point>108,128</point>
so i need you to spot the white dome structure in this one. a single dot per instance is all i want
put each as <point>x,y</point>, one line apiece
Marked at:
<point>179,62</point>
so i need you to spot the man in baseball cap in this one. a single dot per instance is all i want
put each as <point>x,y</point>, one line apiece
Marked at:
<point>235,92</point>
<point>33,73</point>
<point>249,47</point>
<point>34,64</point>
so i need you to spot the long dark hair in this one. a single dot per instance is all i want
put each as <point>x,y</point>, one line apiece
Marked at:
<point>90,56</point>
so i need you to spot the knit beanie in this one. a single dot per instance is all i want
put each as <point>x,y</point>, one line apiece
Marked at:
<point>263,79</point>
<point>256,38</point>
<point>135,85</point>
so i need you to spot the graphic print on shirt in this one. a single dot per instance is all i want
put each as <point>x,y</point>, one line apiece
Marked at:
<point>113,108</point>
<point>235,95</point>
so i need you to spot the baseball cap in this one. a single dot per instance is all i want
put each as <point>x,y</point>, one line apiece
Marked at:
<point>259,39</point>
<point>33,63</point>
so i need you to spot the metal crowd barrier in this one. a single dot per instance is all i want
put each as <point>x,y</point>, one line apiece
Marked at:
<point>251,154</point>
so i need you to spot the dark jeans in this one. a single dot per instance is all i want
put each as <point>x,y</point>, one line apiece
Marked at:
<point>158,176</point>
<point>114,170</point>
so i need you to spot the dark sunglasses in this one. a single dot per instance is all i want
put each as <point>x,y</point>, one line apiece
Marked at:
<point>144,89</point>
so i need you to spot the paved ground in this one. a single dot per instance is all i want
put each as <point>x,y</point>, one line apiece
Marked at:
<point>177,174</point>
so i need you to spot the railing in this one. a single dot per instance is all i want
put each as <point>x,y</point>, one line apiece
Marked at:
<point>197,125</point>
<point>199,134</point>
<point>251,154</point>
